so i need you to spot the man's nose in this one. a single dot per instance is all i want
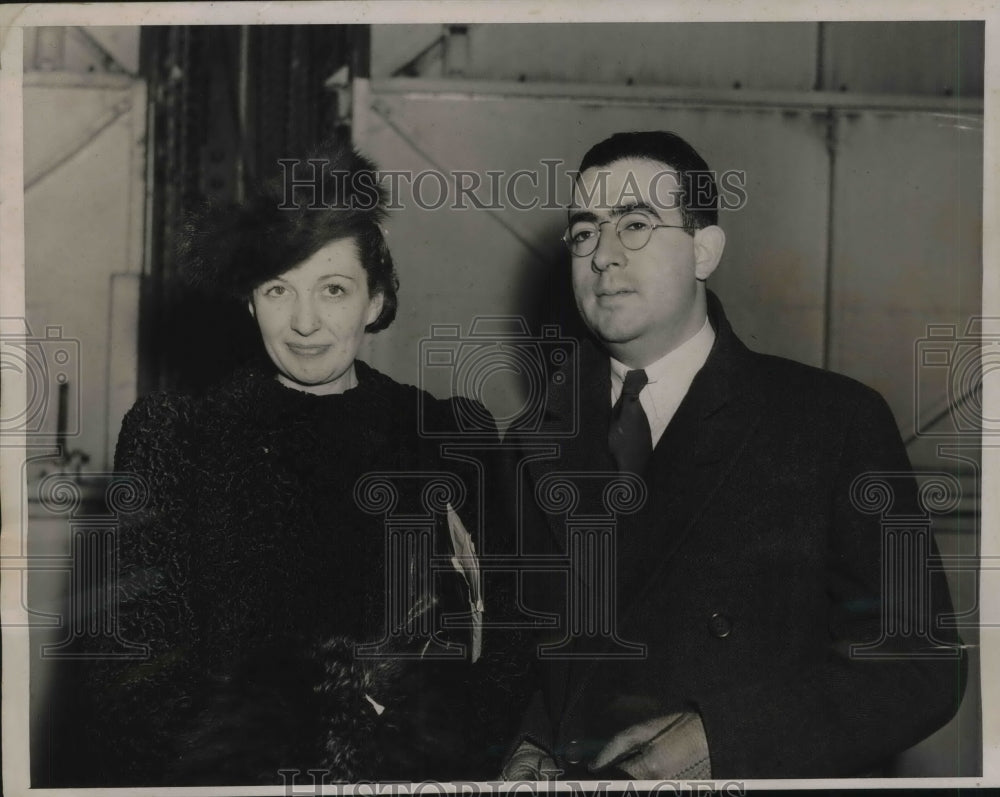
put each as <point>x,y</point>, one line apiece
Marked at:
<point>609,251</point>
<point>305,319</point>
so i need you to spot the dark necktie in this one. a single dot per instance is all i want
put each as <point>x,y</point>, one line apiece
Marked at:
<point>629,438</point>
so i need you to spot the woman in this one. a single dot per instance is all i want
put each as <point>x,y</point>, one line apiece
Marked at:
<point>263,559</point>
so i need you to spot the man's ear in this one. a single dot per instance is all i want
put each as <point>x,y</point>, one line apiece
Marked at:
<point>708,245</point>
<point>250,307</point>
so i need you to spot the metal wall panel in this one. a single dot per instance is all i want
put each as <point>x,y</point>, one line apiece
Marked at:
<point>907,253</point>
<point>908,58</point>
<point>84,160</point>
<point>700,54</point>
<point>938,58</point>
<point>907,232</point>
<point>394,46</point>
<point>84,150</point>
<point>705,55</point>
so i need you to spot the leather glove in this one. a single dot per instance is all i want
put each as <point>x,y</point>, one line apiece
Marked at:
<point>672,747</point>
<point>529,762</point>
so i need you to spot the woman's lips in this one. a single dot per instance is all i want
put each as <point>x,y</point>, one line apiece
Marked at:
<point>308,349</point>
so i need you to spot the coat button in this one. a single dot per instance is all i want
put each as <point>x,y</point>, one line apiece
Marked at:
<point>574,752</point>
<point>720,626</point>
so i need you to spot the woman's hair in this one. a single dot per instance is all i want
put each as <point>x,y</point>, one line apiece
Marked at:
<point>232,248</point>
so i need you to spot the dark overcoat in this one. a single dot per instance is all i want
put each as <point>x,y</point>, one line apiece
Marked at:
<point>778,577</point>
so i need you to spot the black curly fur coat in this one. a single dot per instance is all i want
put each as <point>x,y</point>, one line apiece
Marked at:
<point>252,574</point>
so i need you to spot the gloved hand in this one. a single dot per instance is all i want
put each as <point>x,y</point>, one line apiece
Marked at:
<point>529,762</point>
<point>672,747</point>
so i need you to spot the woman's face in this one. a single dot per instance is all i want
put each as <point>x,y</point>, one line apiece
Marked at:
<point>312,318</point>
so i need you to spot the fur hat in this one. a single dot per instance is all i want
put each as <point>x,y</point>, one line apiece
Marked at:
<point>231,248</point>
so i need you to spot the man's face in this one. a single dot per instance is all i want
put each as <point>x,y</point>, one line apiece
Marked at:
<point>641,303</point>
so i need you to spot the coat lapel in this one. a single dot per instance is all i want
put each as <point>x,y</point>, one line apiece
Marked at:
<point>688,467</point>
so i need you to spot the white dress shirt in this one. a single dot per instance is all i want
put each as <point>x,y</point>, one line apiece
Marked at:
<point>670,378</point>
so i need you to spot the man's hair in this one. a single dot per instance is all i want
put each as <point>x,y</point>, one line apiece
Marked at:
<point>699,193</point>
<point>231,249</point>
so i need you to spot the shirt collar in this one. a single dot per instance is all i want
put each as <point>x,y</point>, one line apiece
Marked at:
<point>679,363</point>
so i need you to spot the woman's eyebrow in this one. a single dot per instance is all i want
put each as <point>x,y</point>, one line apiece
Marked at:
<point>335,275</point>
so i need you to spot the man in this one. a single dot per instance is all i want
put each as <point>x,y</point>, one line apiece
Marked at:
<point>747,602</point>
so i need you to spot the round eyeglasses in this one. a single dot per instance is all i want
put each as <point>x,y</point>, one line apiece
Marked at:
<point>633,229</point>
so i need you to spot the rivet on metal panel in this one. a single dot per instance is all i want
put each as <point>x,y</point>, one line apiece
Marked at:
<point>456,51</point>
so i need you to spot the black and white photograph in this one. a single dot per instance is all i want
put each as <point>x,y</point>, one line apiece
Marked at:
<point>497,396</point>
